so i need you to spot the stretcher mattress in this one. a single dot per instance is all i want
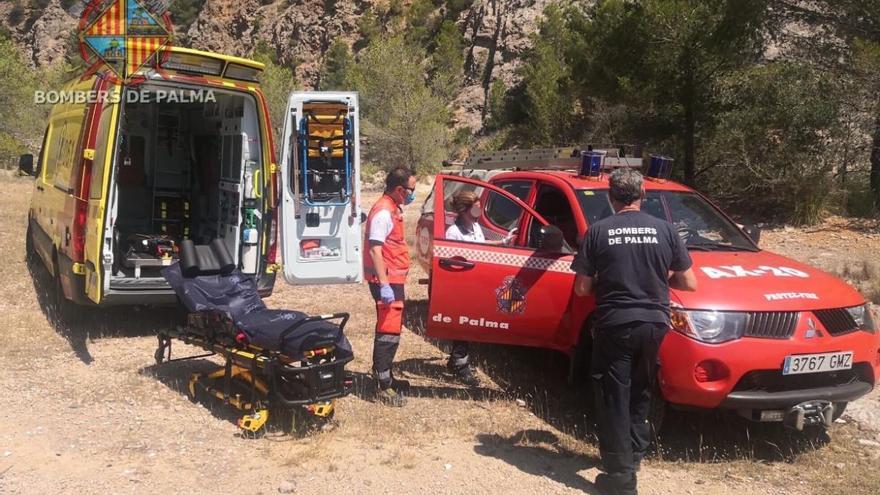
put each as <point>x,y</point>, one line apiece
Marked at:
<point>235,295</point>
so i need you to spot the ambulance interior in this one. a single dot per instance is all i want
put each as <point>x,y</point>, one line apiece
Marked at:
<point>185,170</point>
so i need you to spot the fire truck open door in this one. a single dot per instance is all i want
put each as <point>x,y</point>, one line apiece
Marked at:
<point>320,182</point>
<point>514,293</point>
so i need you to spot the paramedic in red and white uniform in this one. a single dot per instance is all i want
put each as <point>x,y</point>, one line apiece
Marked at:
<point>385,268</point>
<point>468,210</point>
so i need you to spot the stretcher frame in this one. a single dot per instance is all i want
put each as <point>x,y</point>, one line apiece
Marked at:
<point>257,380</point>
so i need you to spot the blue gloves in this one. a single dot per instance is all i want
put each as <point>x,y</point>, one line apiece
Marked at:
<point>386,294</point>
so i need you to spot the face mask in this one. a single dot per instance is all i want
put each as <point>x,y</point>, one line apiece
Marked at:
<point>476,211</point>
<point>409,198</point>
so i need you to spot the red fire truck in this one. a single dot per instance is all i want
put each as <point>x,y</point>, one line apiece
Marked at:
<point>764,335</point>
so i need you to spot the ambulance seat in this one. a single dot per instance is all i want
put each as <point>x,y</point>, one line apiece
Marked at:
<point>206,280</point>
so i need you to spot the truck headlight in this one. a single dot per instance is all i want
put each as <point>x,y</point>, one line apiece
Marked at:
<point>712,327</point>
<point>863,318</point>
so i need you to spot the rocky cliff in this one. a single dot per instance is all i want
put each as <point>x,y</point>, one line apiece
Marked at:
<point>496,34</point>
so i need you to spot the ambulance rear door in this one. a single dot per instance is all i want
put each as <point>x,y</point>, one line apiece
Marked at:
<point>98,232</point>
<point>488,292</point>
<point>321,189</point>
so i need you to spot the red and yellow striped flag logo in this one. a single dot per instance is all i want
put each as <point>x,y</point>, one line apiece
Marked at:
<point>111,22</point>
<point>139,49</point>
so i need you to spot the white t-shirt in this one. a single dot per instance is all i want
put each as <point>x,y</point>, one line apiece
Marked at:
<point>455,233</point>
<point>380,226</point>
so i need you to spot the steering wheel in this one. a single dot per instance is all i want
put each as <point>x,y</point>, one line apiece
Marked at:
<point>687,233</point>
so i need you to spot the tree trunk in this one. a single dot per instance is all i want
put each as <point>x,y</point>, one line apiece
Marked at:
<point>690,146</point>
<point>875,164</point>
<point>688,101</point>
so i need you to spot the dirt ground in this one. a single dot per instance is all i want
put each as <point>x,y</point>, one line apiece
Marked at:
<point>86,410</point>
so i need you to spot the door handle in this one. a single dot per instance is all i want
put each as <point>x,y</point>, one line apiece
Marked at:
<point>456,263</point>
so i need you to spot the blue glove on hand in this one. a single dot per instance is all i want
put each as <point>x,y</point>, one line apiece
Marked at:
<point>386,294</point>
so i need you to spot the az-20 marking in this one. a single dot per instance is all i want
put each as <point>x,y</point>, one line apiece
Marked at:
<point>737,271</point>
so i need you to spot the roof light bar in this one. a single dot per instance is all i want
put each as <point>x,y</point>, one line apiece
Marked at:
<point>592,163</point>
<point>660,167</point>
<point>236,71</point>
<point>546,159</point>
<point>193,64</point>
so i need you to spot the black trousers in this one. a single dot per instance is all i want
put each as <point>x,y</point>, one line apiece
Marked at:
<point>384,345</point>
<point>459,356</point>
<point>624,367</point>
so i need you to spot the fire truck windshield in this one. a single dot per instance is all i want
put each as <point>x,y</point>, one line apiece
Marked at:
<point>699,223</point>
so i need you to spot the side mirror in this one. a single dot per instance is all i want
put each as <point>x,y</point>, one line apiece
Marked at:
<point>26,165</point>
<point>549,238</point>
<point>753,231</point>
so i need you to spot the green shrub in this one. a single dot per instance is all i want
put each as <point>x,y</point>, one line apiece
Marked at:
<point>775,145</point>
<point>447,62</point>
<point>184,12</point>
<point>336,66</point>
<point>17,14</point>
<point>402,121</point>
<point>277,81</point>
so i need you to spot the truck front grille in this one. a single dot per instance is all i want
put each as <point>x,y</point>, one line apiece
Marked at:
<point>837,321</point>
<point>775,381</point>
<point>771,325</point>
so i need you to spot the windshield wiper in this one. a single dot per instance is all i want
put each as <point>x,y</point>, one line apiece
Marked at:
<point>717,246</point>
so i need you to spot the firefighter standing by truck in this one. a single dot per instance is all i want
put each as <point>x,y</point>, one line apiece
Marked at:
<point>385,268</point>
<point>630,259</point>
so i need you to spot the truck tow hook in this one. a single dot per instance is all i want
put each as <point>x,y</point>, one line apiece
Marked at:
<point>810,413</point>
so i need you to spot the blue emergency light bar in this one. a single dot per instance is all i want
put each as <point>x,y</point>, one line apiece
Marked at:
<point>591,163</point>
<point>660,167</point>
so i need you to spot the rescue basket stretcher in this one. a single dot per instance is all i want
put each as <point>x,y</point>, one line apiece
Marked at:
<point>275,360</point>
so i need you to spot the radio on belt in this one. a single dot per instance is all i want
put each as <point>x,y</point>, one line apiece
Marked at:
<point>320,184</point>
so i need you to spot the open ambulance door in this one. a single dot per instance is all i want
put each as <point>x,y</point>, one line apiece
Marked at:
<point>514,294</point>
<point>98,151</point>
<point>321,189</point>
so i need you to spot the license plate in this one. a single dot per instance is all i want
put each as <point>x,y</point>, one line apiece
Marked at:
<point>817,363</point>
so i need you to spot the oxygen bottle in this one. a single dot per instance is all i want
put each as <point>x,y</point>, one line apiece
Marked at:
<point>250,249</point>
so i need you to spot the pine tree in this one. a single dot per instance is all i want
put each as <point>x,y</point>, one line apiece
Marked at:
<point>447,61</point>
<point>336,65</point>
<point>403,122</point>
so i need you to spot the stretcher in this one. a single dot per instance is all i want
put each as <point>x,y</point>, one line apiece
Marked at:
<point>321,214</point>
<point>276,361</point>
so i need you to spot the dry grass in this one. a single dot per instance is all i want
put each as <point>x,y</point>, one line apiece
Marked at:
<point>120,413</point>
<point>864,274</point>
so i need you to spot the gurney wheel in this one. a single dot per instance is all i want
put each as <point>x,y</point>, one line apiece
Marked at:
<point>193,389</point>
<point>159,355</point>
<point>302,421</point>
<point>254,435</point>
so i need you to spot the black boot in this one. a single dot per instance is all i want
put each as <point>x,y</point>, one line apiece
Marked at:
<point>465,374</point>
<point>388,393</point>
<point>609,484</point>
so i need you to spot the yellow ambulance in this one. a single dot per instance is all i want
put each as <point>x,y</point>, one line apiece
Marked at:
<point>126,172</point>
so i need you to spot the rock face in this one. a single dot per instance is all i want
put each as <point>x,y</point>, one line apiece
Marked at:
<point>496,34</point>
<point>42,34</point>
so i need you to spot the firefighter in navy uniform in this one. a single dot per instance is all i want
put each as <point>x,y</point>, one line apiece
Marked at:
<point>630,259</point>
<point>386,265</point>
